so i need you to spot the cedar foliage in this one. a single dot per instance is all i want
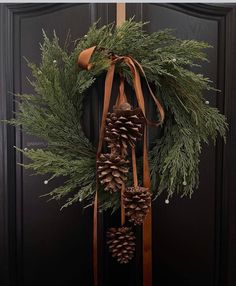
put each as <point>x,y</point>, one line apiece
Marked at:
<point>54,112</point>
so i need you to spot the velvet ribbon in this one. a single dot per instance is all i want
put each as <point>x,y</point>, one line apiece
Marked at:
<point>135,67</point>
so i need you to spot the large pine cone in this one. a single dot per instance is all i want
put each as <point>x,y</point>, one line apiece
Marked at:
<point>137,202</point>
<point>112,170</point>
<point>121,243</point>
<point>124,127</point>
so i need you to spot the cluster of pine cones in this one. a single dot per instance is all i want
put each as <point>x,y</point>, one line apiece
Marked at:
<point>124,127</point>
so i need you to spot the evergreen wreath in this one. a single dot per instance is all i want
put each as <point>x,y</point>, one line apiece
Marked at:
<point>54,112</point>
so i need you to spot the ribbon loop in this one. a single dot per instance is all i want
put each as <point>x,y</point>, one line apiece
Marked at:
<point>84,58</point>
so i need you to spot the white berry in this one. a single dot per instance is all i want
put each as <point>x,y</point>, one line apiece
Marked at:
<point>207,102</point>
<point>174,60</point>
<point>80,199</point>
<point>45,182</point>
<point>54,61</point>
<point>184,183</point>
<point>167,201</point>
<point>25,149</point>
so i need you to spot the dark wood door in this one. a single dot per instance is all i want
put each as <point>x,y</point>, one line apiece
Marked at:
<point>191,237</point>
<point>193,240</point>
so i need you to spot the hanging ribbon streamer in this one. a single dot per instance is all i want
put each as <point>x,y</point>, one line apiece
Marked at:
<point>121,98</point>
<point>84,62</point>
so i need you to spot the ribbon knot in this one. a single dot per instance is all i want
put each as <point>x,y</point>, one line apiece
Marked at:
<point>84,62</point>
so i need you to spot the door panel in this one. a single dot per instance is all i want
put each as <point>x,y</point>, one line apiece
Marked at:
<point>46,246</point>
<point>188,234</point>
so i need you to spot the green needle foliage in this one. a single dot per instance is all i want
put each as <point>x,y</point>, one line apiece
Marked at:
<point>54,112</point>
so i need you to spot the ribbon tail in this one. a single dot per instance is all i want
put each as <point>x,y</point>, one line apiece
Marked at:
<point>134,165</point>
<point>106,103</point>
<point>147,249</point>
<point>158,104</point>
<point>95,240</point>
<point>121,98</point>
<point>147,225</point>
<point>122,205</point>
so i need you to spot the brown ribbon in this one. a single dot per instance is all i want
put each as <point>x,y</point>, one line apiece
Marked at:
<point>84,62</point>
<point>121,98</point>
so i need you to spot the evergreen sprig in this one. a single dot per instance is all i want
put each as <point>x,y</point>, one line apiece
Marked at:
<point>54,112</point>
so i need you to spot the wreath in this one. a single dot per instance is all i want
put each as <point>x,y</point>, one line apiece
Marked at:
<point>54,113</point>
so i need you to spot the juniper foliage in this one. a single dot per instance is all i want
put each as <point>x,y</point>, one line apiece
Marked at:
<point>54,112</point>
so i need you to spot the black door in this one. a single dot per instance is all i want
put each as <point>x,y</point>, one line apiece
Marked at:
<point>43,246</point>
<point>192,235</point>
<point>194,241</point>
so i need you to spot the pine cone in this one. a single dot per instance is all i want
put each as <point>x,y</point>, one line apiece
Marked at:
<point>137,202</point>
<point>112,170</point>
<point>124,127</point>
<point>121,243</point>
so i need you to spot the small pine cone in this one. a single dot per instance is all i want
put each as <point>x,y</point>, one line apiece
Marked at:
<point>112,171</point>
<point>137,202</point>
<point>121,243</point>
<point>124,127</point>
